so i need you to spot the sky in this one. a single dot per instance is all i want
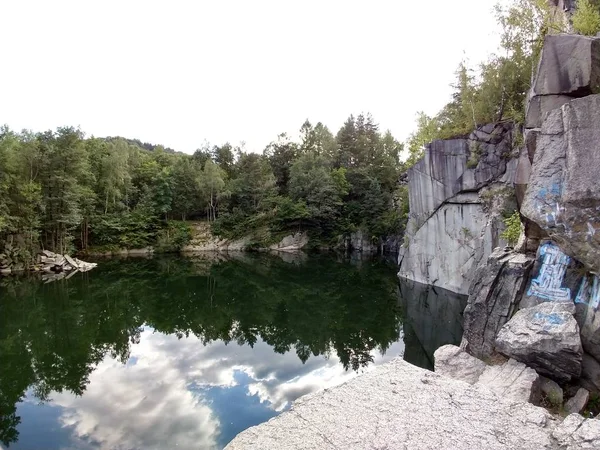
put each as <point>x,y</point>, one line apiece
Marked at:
<point>186,73</point>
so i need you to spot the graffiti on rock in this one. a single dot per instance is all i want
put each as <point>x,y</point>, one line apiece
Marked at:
<point>548,283</point>
<point>548,321</point>
<point>589,293</point>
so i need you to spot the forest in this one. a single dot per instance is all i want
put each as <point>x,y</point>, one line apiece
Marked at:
<point>63,191</point>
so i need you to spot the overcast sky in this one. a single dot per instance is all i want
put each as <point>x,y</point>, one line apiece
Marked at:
<point>180,73</point>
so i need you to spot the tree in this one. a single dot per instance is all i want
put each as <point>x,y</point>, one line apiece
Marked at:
<point>586,19</point>
<point>212,185</point>
<point>281,154</point>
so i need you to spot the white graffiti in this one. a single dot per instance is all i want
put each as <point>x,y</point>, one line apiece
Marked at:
<point>589,293</point>
<point>548,284</point>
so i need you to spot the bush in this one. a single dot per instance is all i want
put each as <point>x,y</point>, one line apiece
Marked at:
<point>174,237</point>
<point>513,229</point>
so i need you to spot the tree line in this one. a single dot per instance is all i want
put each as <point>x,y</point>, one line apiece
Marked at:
<point>63,191</point>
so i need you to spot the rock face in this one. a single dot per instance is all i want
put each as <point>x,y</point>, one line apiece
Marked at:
<point>563,195</point>
<point>399,406</point>
<point>569,65</point>
<point>493,298</point>
<point>290,243</point>
<point>551,391</point>
<point>545,337</point>
<point>451,227</point>
<point>453,362</point>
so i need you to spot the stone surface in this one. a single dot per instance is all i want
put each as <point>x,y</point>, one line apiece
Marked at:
<point>361,241</point>
<point>540,105</point>
<point>453,362</point>
<point>569,65</point>
<point>563,195</point>
<point>513,381</point>
<point>545,337</point>
<point>577,433</point>
<point>588,302</point>
<point>295,241</point>
<point>493,298</point>
<point>577,403</point>
<point>399,406</point>
<point>551,391</point>
<point>590,372</point>
<point>451,229</point>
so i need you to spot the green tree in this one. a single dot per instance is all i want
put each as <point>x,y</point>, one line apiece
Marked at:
<point>586,19</point>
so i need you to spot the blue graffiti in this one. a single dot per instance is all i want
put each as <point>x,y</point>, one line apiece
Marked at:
<point>548,284</point>
<point>589,293</point>
<point>548,321</point>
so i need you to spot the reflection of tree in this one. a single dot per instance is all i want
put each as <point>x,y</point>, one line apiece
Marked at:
<point>53,336</point>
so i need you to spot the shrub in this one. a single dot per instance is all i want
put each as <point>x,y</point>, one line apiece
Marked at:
<point>513,228</point>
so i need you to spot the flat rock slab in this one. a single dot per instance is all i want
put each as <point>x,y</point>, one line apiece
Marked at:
<point>399,406</point>
<point>545,337</point>
<point>512,381</point>
<point>453,362</point>
<point>577,403</point>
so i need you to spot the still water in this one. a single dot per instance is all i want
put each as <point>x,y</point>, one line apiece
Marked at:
<point>187,352</point>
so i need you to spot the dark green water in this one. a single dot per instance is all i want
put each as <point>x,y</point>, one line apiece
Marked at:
<point>187,352</point>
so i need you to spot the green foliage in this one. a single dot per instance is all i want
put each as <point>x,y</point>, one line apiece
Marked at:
<point>173,237</point>
<point>586,19</point>
<point>513,228</point>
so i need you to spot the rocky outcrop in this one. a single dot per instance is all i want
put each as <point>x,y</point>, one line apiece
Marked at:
<point>453,362</point>
<point>493,298</point>
<point>292,242</point>
<point>578,402</point>
<point>545,337</point>
<point>511,380</point>
<point>563,195</point>
<point>452,226</point>
<point>401,406</point>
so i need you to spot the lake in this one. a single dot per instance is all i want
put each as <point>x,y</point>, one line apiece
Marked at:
<point>174,352</point>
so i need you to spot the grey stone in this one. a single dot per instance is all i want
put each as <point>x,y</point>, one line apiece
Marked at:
<point>577,403</point>
<point>512,381</point>
<point>563,195</point>
<point>453,362</point>
<point>295,241</point>
<point>545,337</point>
<point>49,254</point>
<point>590,372</point>
<point>360,241</point>
<point>399,406</point>
<point>569,65</point>
<point>451,229</point>
<point>71,262</point>
<point>552,391</point>
<point>493,298</point>
<point>6,271</point>
<point>540,105</point>
<point>577,433</point>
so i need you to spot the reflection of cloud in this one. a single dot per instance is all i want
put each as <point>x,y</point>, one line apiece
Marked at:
<point>146,405</point>
<point>158,400</point>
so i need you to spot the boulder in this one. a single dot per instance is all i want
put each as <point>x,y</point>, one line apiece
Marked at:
<point>512,381</point>
<point>545,337</point>
<point>563,195</point>
<point>577,403</point>
<point>399,406</point>
<point>569,65</point>
<point>551,391</point>
<point>493,298</point>
<point>292,242</point>
<point>71,262</point>
<point>453,362</point>
<point>588,302</point>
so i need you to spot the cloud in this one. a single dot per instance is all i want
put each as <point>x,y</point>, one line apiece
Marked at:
<point>159,399</point>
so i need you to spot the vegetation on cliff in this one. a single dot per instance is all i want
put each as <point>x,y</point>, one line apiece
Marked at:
<point>496,90</point>
<point>62,191</point>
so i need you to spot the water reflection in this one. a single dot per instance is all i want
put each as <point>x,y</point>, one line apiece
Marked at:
<point>184,352</point>
<point>432,317</point>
